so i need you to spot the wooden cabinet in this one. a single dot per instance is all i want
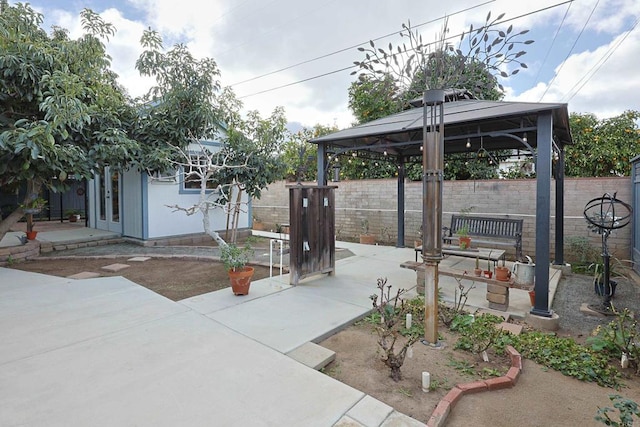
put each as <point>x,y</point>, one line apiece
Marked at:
<point>312,233</point>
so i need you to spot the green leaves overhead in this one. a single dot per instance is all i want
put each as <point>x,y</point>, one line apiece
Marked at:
<point>602,147</point>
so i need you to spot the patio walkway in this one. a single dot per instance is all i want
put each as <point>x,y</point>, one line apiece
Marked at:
<point>106,351</point>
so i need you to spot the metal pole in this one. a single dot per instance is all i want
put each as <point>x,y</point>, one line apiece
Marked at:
<point>432,180</point>
<point>401,207</point>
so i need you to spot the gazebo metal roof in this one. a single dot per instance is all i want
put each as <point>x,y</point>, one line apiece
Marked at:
<point>542,128</point>
<point>401,134</point>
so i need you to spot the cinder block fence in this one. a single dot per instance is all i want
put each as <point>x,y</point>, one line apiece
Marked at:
<point>376,201</point>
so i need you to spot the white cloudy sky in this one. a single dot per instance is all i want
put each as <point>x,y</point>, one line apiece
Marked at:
<point>592,63</point>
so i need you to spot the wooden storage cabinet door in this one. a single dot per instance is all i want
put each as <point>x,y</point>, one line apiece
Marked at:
<point>312,231</point>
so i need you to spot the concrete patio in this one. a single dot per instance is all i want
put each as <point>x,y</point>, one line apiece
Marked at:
<point>106,351</point>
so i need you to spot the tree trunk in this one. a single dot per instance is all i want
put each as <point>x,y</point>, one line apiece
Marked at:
<point>10,221</point>
<point>33,189</point>
<point>207,228</point>
<point>236,215</point>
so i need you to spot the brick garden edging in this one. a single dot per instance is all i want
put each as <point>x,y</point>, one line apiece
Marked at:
<point>11,254</point>
<point>442,411</point>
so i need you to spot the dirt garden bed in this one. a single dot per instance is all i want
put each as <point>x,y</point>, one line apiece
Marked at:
<point>174,278</point>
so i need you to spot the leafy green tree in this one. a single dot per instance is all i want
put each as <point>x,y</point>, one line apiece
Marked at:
<point>61,106</point>
<point>299,156</point>
<point>391,76</point>
<point>371,98</point>
<point>179,108</point>
<point>602,147</point>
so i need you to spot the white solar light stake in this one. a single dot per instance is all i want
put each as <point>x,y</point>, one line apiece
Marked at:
<point>426,381</point>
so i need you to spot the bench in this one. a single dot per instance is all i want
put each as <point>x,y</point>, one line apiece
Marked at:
<point>497,290</point>
<point>485,231</point>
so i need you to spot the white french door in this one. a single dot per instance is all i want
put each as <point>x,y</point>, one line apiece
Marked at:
<point>108,201</point>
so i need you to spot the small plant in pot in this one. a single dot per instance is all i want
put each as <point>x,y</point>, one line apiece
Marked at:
<point>488,273</point>
<point>365,237</point>
<point>463,237</point>
<point>502,272</point>
<point>235,259</point>
<point>33,206</point>
<point>73,215</point>
<point>463,232</point>
<point>418,242</point>
<point>478,270</point>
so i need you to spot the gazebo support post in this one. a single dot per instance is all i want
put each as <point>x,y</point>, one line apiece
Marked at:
<point>559,222</point>
<point>400,212</point>
<point>432,184</point>
<point>543,213</point>
<point>322,164</point>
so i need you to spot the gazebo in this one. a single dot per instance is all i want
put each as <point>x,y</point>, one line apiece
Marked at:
<point>541,128</point>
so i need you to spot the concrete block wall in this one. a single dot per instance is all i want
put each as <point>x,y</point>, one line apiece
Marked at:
<point>376,200</point>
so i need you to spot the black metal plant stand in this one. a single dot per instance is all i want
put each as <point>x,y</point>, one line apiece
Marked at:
<point>605,214</point>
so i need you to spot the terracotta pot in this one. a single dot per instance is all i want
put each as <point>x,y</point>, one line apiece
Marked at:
<point>73,218</point>
<point>258,226</point>
<point>532,298</point>
<point>477,272</point>
<point>488,274</point>
<point>240,280</point>
<point>31,235</point>
<point>503,274</point>
<point>367,239</point>
<point>465,242</point>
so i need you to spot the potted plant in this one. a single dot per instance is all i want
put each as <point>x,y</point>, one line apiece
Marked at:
<point>365,237</point>
<point>463,237</point>
<point>463,232</point>
<point>478,270</point>
<point>502,272</point>
<point>418,242</point>
<point>257,224</point>
<point>32,207</point>
<point>235,259</point>
<point>488,273</point>
<point>73,215</point>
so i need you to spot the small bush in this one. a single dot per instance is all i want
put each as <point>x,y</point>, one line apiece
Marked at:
<point>392,313</point>
<point>566,356</point>
<point>627,409</point>
<point>618,337</point>
<point>480,334</point>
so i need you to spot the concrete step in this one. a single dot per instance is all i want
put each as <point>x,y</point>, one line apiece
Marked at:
<point>312,355</point>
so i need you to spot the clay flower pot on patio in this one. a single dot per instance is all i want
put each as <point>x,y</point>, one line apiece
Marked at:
<point>31,235</point>
<point>235,259</point>
<point>368,239</point>
<point>465,242</point>
<point>503,273</point>
<point>241,280</point>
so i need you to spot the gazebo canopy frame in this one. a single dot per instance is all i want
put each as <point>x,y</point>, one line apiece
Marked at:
<point>542,128</point>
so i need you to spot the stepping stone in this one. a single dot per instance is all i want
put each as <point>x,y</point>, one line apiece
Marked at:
<point>84,275</point>
<point>312,355</point>
<point>510,327</point>
<point>115,267</point>
<point>139,259</point>
<point>502,314</point>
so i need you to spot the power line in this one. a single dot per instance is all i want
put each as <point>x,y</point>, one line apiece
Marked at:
<point>594,70</point>
<point>355,46</point>
<point>570,51</point>
<point>555,36</point>
<point>354,66</point>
